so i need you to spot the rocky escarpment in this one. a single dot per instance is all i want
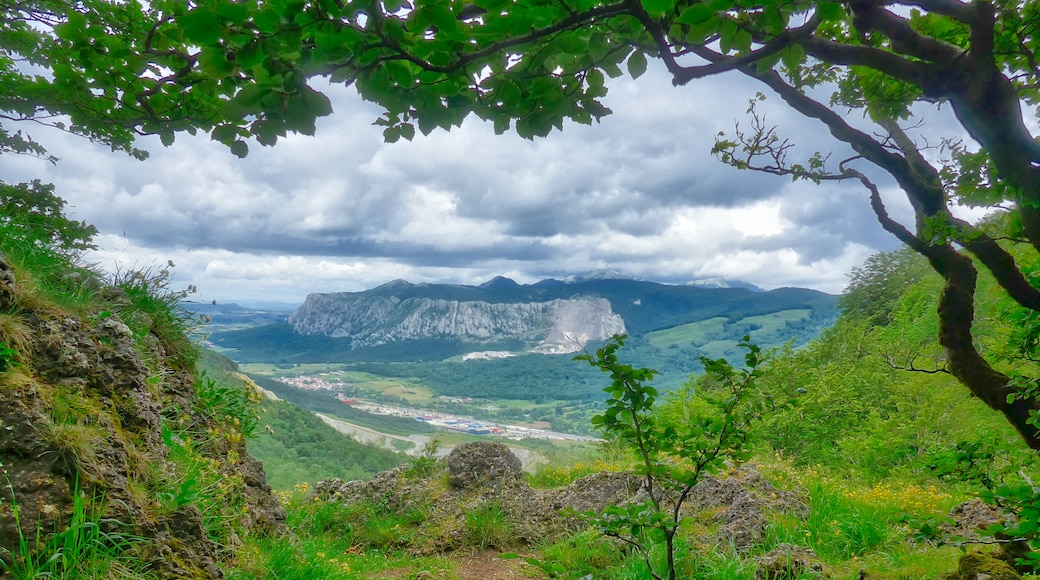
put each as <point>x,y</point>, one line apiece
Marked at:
<point>557,325</point>
<point>101,428</point>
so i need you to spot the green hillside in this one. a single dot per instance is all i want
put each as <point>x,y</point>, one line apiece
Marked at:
<point>294,445</point>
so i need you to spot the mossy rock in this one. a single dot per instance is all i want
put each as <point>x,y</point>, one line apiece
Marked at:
<point>983,566</point>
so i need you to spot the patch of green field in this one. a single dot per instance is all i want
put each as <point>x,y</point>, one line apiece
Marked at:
<point>708,334</point>
<point>409,391</point>
<point>692,333</point>
<point>516,404</point>
<point>719,349</point>
<point>295,370</point>
<point>775,321</point>
<point>401,446</point>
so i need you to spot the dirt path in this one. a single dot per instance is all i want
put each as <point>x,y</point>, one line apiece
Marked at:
<point>489,566</point>
<point>472,566</point>
<point>369,436</point>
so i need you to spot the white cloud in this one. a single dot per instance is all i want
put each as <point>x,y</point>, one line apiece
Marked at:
<point>639,193</point>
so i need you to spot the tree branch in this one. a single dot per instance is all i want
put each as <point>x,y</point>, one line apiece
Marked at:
<point>869,16</point>
<point>956,316</point>
<point>883,61</point>
<point>955,9</point>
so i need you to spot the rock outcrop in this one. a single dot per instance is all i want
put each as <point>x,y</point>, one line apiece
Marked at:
<point>487,474</point>
<point>89,412</point>
<point>482,474</point>
<point>483,464</point>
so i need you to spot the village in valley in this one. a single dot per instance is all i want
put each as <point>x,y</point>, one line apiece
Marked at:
<point>331,381</point>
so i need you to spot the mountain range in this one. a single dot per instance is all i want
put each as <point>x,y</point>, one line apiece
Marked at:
<point>404,321</point>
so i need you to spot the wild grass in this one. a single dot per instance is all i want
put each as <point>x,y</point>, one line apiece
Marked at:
<point>156,309</point>
<point>334,542</point>
<point>196,478</point>
<point>234,407</point>
<point>90,547</point>
<point>581,554</point>
<point>555,475</point>
<point>853,527</point>
<point>48,279</point>
<point>850,526</point>
<point>14,333</point>
<point>488,526</point>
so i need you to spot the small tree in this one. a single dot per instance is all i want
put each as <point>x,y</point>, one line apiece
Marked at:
<point>673,456</point>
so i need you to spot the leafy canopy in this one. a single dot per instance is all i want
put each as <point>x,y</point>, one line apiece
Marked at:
<point>243,71</point>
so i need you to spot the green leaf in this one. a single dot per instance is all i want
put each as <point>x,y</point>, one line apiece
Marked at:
<point>637,64</point>
<point>742,41</point>
<point>214,63</point>
<point>767,62</point>
<point>696,14</point>
<point>408,131</point>
<point>792,56</point>
<point>598,47</point>
<point>226,134</point>
<point>400,73</point>
<point>830,11</point>
<point>316,102</point>
<point>73,30</point>
<point>594,78</point>
<point>727,34</point>
<point>658,7</point>
<point>240,149</point>
<point>201,26</point>
<point>234,11</point>
<point>267,21</point>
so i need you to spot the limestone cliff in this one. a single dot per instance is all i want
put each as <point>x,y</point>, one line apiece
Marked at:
<point>558,325</point>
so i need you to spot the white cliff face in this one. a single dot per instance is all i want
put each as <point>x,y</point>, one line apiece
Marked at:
<point>372,321</point>
<point>576,322</point>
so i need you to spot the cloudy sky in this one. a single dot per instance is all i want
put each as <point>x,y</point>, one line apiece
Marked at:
<point>639,193</point>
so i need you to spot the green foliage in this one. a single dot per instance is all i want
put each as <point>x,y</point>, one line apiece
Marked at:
<point>427,462</point>
<point>197,478</point>
<point>550,476</point>
<point>297,447</point>
<point>32,214</point>
<point>875,287</point>
<point>231,407</point>
<point>982,462</point>
<point>673,455</point>
<point>48,274</point>
<point>1021,498</point>
<point>250,66</point>
<point>332,542</point>
<point>8,358</point>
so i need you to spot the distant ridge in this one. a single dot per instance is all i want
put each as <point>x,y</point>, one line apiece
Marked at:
<point>594,306</point>
<point>723,283</point>
<point>670,325</point>
<point>598,275</point>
